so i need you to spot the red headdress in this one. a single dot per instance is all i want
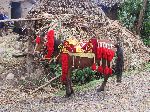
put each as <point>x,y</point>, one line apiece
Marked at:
<point>38,40</point>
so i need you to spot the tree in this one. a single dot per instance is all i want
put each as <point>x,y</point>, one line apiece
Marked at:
<point>141,16</point>
<point>135,15</point>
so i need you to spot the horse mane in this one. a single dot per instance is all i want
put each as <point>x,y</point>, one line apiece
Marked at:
<point>57,42</point>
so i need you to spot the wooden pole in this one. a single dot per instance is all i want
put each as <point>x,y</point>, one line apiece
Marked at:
<point>21,19</point>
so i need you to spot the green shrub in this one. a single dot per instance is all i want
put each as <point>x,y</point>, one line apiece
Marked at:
<point>78,76</point>
<point>83,76</point>
<point>129,15</point>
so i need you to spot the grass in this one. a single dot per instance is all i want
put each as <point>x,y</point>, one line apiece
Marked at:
<point>91,85</point>
<point>147,66</point>
<point>85,87</point>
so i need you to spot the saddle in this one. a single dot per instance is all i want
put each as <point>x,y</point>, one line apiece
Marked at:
<point>72,45</point>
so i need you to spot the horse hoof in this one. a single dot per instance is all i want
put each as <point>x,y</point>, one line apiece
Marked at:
<point>100,89</point>
<point>69,95</point>
<point>118,81</point>
<point>72,92</point>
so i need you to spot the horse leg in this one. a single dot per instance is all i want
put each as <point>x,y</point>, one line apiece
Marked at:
<point>119,75</point>
<point>103,84</point>
<point>67,90</point>
<point>1,30</point>
<point>68,85</point>
<point>104,62</point>
<point>119,63</point>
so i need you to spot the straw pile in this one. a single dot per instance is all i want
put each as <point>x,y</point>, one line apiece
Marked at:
<point>83,19</point>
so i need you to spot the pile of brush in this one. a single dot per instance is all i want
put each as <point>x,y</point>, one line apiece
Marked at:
<point>83,19</point>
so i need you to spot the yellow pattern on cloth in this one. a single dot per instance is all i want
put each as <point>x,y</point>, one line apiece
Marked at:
<point>72,41</point>
<point>79,49</point>
<point>73,45</point>
<point>88,55</point>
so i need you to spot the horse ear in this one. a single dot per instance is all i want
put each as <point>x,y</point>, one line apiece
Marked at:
<point>42,34</point>
<point>117,44</point>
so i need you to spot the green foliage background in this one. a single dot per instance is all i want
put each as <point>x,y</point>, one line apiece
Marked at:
<point>129,15</point>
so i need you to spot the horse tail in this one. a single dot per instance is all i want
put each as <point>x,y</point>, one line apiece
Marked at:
<point>119,62</point>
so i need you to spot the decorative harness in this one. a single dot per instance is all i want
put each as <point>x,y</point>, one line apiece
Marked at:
<point>72,47</point>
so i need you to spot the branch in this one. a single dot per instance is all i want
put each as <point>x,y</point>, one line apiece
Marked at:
<point>19,55</point>
<point>44,85</point>
<point>22,55</point>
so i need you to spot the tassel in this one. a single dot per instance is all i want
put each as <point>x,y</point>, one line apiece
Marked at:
<point>99,53</point>
<point>106,70</point>
<point>64,59</point>
<point>104,50</point>
<point>50,35</point>
<point>38,40</point>
<point>110,71</point>
<point>110,55</point>
<point>100,69</point>
<point>93,67</point>
<point>49,54</point>
<point>50,44</point>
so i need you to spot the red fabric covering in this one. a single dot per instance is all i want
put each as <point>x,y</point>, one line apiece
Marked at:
<point>64,60</point>
<point>95,45</point>
<point>99,53</point>
<point>69,47</point>
<point>38,40</point>
<point>93,67</point>
<point>100,69</point>
<point>85,47</point>
<point>106,70</point>
<point>50,43</point>
<point>110,55</point>
<point>72,48</point>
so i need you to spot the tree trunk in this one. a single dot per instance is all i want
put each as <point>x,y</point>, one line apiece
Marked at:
<point>141,16</point>
<point>30,48</point>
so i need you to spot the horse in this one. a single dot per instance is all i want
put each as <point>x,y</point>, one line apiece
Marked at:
<point>91,54</point>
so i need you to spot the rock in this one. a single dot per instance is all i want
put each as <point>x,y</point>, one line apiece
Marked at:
<point>1,68</point>
<point>10,76</point>
<point>1,50</point>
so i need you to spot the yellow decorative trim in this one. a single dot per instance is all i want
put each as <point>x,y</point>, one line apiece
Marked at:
<point>88,55</point>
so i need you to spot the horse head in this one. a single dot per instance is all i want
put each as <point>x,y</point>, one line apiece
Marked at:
<point>47,46</point>
<point>39,46</point>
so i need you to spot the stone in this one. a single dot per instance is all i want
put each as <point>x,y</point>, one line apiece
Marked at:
<point>10,76</point>
<point>1,68</point>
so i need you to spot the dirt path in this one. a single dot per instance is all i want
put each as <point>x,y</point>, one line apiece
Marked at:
<point>132,95</point>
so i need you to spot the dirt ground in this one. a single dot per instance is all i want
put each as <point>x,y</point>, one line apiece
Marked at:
<point>132,95</point>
